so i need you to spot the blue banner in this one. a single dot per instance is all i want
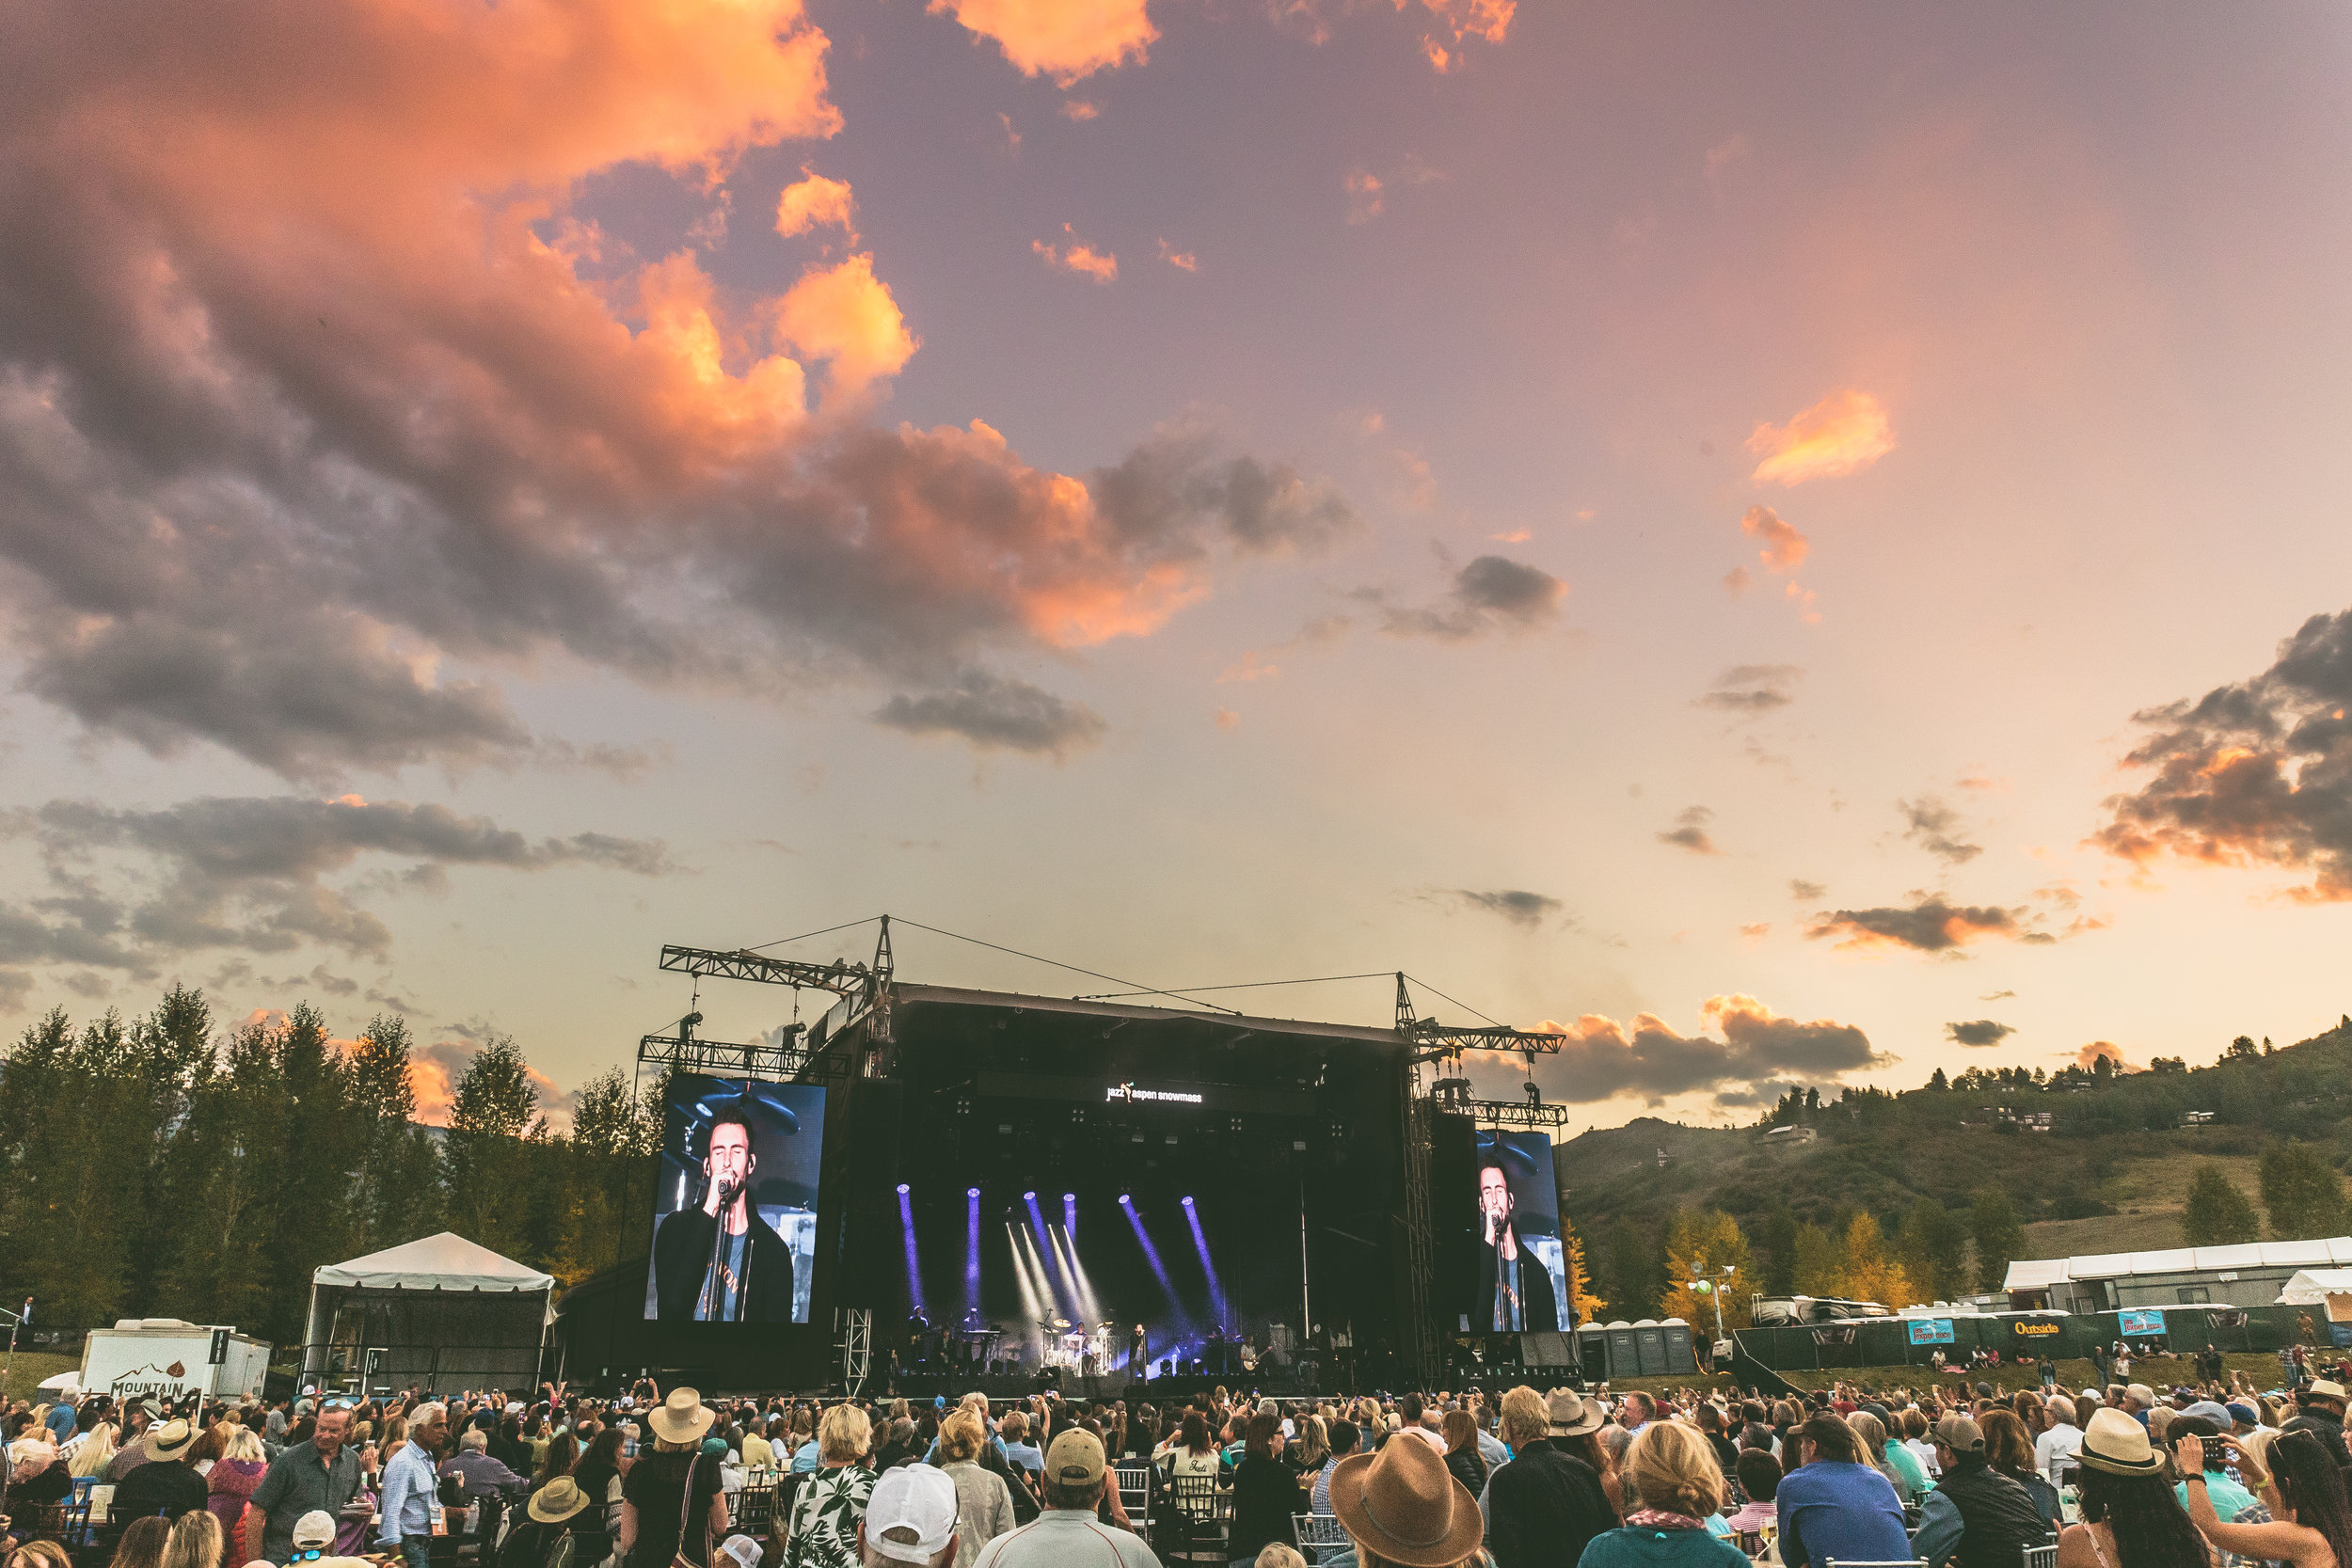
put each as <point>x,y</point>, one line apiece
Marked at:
<point>1931,1331</point>
<point>2146,1320</point>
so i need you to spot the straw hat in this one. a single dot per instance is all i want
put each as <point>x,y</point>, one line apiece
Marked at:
<point>682,1416</point>
<point>2115,1443</point>
<point>168,1441</point>
<point>2321,1389</point>
<point>1404,1506</point>
<point>558,1500</point>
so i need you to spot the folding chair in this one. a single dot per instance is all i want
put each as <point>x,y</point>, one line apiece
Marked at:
<point>2041,1557</point>
<point>1197,1515</point>
<point>1319,1535</point>
<point>1134,1492</point>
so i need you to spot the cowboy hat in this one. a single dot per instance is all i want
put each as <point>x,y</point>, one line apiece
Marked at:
<point>2323,1389</point>
<point>1571,1416</point>
<point>558,1500</point>
<point>682,1416</point>
<point>168,1441</point>
<point>1404,1507</point>
<point>2115,1443</point>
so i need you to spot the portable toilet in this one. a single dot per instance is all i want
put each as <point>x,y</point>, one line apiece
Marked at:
<point>1680,1359</point>
<point>1592,1346</point>
<point>1624,1360</point>
<point>1650,1347</point>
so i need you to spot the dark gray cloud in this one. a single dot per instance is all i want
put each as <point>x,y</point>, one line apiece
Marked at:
<point>1804,892</point>
<point>1931,924</point>
<point>1980,1032</point>
<point>1491,594</point>
<point>1600,1058</point>
<point>1515,905</point>
<point>997,713</point>
<point>1689,832</point>
<point>1935,826</point>
<point>1997,996</point>
<point>2254,773</point>
<point>1751,689</point>
<point>128,889</point>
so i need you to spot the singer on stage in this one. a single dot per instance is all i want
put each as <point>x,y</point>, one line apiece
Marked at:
<point>721,1262</point>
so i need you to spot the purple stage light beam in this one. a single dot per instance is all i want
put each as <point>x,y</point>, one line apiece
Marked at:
<point>972,1252</point>
<point>1070,1217</point>
<point>915,1267</point>
<point>1200,1241</point>
<point>1152,1256</point>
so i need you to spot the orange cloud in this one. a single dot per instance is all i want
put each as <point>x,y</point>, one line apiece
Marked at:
<point>1227,719</point>
<point>1182,260</point>
<point>847,318</point>
<point>1784,548</point>
<point>816,202</point>
<point>1064,39</point>
<point>1078,257</point>
<point>1459,20</point>
<point>1078,108</point>
<point>1364,201</point>
<point>1842,433</point>
<point>2088,1056</point>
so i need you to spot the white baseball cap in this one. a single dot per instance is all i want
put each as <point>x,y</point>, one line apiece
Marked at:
<point>920,1498</point>
<point>743,1548</point>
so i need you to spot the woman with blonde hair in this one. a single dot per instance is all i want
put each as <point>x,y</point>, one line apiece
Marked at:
<point>983,1502</point>
<point>195,1541</point>
<point>831,1505</point>
<point>142,1542</point>
<point>39,1554</point>
<point>1672,1486</point>
<point>239,1469</point>
<point>95,1451</point>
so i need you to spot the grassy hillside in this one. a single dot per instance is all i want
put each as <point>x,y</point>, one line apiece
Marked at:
<point>2110,1174</point>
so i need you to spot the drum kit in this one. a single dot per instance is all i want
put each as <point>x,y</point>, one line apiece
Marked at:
<point>1083,1350</point>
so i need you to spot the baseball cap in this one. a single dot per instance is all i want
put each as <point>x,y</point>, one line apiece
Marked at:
<point>314,1529</point>
<point>2244,1415</point>
<point>743,1548</point>
<point>2142,1392</point>
<point>1075,1458</point>
<point>918,1497</point>
<point>2218,1415</point>
<point>1959,1433</point>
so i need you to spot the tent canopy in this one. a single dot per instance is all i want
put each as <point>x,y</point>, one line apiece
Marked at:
<point>2311,1287</point>
<point>444,1262</point>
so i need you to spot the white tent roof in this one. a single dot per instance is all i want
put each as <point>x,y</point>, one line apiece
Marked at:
<point>2310,1287</point>
<point>444,1262</point>
<point>2036,1273</point>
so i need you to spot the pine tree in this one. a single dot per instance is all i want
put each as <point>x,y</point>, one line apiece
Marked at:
<point>1634,1266</point>
<point>1585,1306</point>
<point>1780,1251</point>
<point>1932,1246</point>
<point>2301,1192</point>
<point>2218,1215</point>
<point>492,1113</point>
<point>384,1112</point>
<point>2000,1238</point>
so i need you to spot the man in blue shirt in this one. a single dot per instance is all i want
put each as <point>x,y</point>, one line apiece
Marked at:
<point>1836,1505</point>
<point>1343,1440</point>
<point>410,1484</point>
<point>61,1415</point>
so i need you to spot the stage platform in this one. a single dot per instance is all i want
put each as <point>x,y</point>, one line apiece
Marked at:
<point>1158,1390</point>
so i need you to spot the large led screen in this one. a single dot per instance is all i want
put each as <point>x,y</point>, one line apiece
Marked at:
<point>735,1205</point>
<point>1522,1285</point>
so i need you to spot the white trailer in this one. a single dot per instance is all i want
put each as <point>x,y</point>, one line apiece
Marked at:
<point>169,1359</point>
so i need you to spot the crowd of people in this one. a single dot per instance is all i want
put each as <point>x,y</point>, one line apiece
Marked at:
<point>2204,1475</point>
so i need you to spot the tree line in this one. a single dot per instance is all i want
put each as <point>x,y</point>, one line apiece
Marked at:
<point>157,1166</point>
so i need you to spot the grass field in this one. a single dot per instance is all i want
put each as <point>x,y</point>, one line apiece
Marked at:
<point>31,1367</point>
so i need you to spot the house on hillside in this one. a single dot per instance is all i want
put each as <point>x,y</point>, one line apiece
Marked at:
<point>1788,1136</point>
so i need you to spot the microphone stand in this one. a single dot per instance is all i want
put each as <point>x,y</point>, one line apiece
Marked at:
<point>710,1301</point>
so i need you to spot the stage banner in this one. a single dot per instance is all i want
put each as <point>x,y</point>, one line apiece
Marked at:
<point>2133,1321</point>
<point>1931,1331</point>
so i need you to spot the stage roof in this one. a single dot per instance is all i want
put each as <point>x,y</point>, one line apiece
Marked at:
<point>905,996</point>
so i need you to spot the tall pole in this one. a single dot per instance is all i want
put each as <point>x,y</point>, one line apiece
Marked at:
<point>1306,1301</point>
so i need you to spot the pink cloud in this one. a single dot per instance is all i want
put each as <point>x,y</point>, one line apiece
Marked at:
<point>1844,433</point>
<point>1078,257</point>
<point>1784,546</point>
<point>1063,40</point>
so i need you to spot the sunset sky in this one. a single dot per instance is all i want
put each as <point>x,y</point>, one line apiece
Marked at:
<point>1799,544</point>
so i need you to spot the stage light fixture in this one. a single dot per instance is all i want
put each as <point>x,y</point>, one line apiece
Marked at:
<point>1028,1197</point>
<point>971,1191</point>
<point>1070,1198</point>
<point>1187,1203</point>
<point>902,1187</point>
<point>1122,1197</point>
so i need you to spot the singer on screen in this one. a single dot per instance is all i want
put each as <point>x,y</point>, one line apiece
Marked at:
<point>720,1263</point>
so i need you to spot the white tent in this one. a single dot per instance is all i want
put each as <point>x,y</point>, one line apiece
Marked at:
<point>440,1311</point>
<point>2313,1286</point>
<point>444,1262</point>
